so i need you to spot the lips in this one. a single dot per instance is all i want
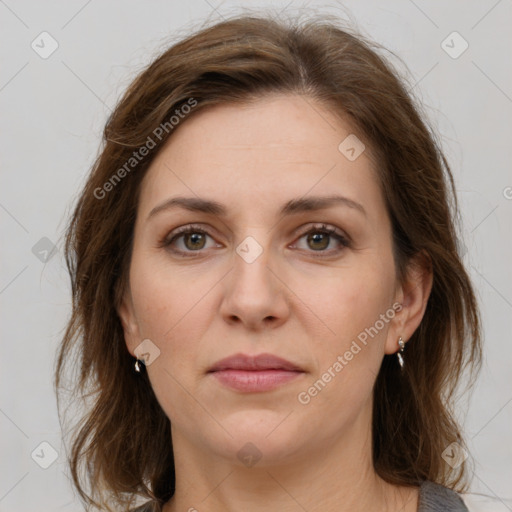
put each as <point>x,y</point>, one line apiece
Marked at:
<point>254,363</point>
<point>254,374</point>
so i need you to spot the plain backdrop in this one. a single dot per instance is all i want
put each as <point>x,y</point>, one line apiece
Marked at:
<point>53,109</point>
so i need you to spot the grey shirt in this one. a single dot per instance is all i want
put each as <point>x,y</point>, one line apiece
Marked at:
<point>433,498</point>
<point>436,498</point>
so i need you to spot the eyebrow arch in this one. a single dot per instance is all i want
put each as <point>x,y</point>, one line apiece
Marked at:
<point>294,206</point>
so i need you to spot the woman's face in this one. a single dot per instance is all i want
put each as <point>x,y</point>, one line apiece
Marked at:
<point>254,280</point>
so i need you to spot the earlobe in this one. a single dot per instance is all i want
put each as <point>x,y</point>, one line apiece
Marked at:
<point>126,314</point>
<point>414,293</point>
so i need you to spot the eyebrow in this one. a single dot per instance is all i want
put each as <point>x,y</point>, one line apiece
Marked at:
<point>294,206</point>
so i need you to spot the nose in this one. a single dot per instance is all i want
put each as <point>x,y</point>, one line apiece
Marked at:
<point>254,295</point>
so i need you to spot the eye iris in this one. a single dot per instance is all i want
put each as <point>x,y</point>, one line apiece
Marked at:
<point>315,238</point>
<point>195,237</point>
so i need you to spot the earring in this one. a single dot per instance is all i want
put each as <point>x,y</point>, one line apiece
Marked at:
<point>137,367</point>
<point>400,352</point>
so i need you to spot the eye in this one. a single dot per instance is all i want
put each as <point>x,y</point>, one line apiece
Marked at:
<point>319,238</point>
<point>193,238</point>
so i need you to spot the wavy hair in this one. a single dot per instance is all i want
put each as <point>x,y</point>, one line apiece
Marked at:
<point>123,440</point>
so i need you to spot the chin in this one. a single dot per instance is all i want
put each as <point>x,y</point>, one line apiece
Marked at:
<point>262,438</point>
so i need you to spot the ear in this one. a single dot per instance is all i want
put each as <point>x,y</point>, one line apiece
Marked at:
<point>129,322</point>
<point>413,295</point>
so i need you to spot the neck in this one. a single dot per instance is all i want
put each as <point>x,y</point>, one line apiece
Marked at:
<point>336,475</point>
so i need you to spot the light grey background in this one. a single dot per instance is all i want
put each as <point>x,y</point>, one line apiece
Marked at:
<point>52,114</point>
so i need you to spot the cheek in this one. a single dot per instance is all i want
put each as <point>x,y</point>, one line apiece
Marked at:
<point>174,309</point>
<point>352,304</point>
<point>170,312</point>
<point>163,296</point>
<point>352,300</point>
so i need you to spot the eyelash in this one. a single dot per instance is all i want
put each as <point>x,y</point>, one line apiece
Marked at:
<point>321,228</point>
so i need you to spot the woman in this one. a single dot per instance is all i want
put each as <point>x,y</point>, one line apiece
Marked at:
<point>268,302</point>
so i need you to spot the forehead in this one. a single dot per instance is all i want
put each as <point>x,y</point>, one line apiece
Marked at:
<point>264,152</point>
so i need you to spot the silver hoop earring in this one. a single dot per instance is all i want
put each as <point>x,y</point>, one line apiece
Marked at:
<point>400,352</point>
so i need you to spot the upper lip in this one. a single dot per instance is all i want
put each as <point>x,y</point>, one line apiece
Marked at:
<point>258,362</point>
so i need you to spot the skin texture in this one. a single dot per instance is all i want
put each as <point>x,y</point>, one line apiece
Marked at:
<point>290,301</point>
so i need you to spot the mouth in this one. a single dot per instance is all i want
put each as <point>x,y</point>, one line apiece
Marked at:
<point>263,372</point>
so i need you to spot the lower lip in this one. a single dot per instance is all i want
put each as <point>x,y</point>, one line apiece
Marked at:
<point>255,380</point>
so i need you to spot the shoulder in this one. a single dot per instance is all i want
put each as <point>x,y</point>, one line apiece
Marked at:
<point>436,498</point>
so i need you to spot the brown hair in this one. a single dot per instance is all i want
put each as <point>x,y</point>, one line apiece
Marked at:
<point>124,438</point>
